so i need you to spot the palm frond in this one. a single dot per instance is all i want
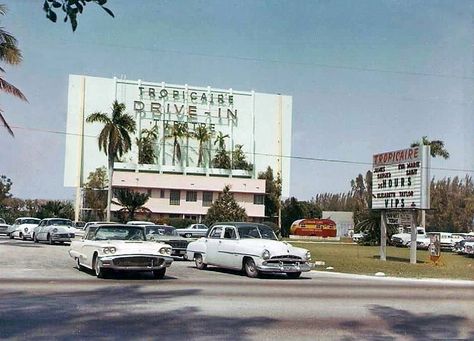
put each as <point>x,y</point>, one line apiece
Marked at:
<point>5,124</point>
<point>11,89</point>
<point>103,139</point>
<point>98,117</point>
<point>10,53</point>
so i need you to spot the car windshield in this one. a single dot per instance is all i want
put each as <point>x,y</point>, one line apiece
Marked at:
<point>119,233</point>
<point>161,231</point>
<point>255,231</point>
<point>66,222</point>
<point>29,221</point>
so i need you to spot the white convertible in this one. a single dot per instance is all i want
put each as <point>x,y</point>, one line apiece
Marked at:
<point>120,247</point>
<point>248,246</point>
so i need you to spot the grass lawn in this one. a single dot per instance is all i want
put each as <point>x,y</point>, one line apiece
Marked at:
<point>365,260</point>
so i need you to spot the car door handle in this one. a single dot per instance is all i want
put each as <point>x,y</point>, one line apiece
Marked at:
<point>220,242</point>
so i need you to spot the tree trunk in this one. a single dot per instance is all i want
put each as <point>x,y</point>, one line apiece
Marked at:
<point>200,154</point>
<point>109,190</point>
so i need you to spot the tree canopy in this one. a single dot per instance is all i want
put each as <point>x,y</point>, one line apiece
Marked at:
<point>9,54</point>
<point>225,208</point>
<point>436,147</point>
<point>71,9</point>
<point>131,201</point>
<point>272,192</point>
<point>95,194</point>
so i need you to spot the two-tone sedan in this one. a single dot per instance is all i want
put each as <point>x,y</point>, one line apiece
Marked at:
<point>54,230</point>
<point>250,247</point>
<point>169,235</point>
<point>118,247</point>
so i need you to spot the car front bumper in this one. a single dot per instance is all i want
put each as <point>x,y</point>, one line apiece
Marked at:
<point>284,267</point>
<point>62,237</point>
<point>179,254</point>
<point>135,262</point>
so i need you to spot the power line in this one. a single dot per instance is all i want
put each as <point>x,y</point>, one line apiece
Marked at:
<point>304,158</point>
<point>276,61</point>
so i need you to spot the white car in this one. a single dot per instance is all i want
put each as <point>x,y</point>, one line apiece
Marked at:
<point>404,239</point>
<point>54,230</point>
<point>357,237</point>
<point>251,247</point>
<point>4,226</point>
<point>23,228</point>
<point>120,247</point>
<point>81,231</point>
<point>193,230</point>
<point>469,248</point>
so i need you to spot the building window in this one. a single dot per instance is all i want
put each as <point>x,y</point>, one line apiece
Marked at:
<point>162,193</point>
<point>175,197</point>
<point>191,196</point>
<point>259,199</point>
<point>206,199</point>
<point>148,192</point>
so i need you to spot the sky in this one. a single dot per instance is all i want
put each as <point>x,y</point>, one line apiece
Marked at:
<point>365,77</point>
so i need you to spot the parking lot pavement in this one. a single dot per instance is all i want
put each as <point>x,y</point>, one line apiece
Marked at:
<point>29,260</point>
<point>43,295</point>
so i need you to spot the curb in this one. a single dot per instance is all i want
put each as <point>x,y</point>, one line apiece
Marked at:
<point>457,282</point>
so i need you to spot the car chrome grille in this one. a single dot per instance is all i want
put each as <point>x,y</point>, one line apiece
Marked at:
<point>138,261</point>
<point>178,244</point>
<point>64,235</point>
<point>285,259</point>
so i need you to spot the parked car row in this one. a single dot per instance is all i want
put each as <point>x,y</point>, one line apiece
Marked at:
<point>465,246</point>
<point>108,247</point>
<point>457,242</point>
<point>51,230</point>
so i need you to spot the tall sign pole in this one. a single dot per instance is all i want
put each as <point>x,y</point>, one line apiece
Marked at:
<point>401,182</point>
<point>383,236</point>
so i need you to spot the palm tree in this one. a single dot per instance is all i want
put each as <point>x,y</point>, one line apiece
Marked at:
<point>203,135</point>
<point>114,138</point>
<point>10,54</point>
<point>221,159</point>
<point>146,145</point>
<point>436,147</point>
<point>239,160</point>
<point>178,131</point>
<point>131,201</point>
<point>220,140</point>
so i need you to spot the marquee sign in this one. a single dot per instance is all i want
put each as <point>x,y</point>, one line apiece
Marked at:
<point>401,179</point>
<point>186,105</point>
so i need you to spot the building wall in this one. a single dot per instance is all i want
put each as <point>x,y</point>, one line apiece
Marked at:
<point>243,190</point>
<point>344,221</point>
<point>261,123</point>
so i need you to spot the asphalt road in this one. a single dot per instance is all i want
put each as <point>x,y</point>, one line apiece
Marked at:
<point>44,296</point>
